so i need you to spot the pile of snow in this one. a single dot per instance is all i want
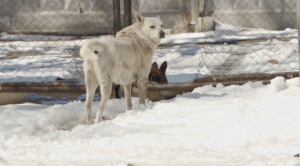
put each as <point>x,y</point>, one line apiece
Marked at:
<point>253,124</point>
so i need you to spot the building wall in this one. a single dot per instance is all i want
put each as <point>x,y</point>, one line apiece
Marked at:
<point>269,14</point>
<point>63,16</point>
<point>57,16</point>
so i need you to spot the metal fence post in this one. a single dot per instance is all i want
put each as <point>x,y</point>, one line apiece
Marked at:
<point>127,12</point>
<point>117,16</point>
<point>195,14</point>
<point>298,25</point>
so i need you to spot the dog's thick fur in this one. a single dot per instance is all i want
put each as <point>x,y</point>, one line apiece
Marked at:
<point>123,60</point>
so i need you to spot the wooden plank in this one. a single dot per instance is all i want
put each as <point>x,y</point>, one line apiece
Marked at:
<point>184,87</point>
<point>191,86</point>
<point>173,88</point>
<point>247,76</point>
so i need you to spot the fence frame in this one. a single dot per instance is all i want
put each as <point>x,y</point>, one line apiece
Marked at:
<point>117,16</point>
<point>298,26</point>
<point>127,13</point>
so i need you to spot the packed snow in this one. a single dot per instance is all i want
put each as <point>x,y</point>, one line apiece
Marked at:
<point>44,60</point>
<point>249,125</point>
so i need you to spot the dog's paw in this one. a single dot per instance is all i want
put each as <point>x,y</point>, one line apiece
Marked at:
<point>130,164</point>
<point>98,120</point>
<point>103,118</point>
<point>128,108</point>
<point>142,107</point>
<point>106,118</point>
<point>89,121</point>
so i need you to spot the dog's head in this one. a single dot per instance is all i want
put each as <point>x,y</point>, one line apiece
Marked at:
<point>151,27</point>
<point>158,74</point>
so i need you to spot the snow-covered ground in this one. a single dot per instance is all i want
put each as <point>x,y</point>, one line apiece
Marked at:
<point>226,33</point>
<point>249,125</point>
<point>48,59</point>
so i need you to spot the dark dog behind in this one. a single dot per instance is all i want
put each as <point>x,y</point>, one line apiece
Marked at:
<point>157,75</point>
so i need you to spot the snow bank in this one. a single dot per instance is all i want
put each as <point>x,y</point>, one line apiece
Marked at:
<point>253,124</point>
<point>226,33</point>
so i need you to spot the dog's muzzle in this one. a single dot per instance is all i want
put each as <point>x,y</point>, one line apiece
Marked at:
<point>162,34</point>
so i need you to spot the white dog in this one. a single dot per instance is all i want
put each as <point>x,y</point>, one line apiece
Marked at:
<point>122,60</point>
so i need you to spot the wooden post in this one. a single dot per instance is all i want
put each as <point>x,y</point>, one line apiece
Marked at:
<point>298,25</point>
<point>127,13</point>
<point>117,16</point>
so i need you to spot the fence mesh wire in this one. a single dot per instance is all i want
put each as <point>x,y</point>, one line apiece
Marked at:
<point>247,40</point>
<point>235,40</point>
<point>40,40</point>
<point>135,7</point>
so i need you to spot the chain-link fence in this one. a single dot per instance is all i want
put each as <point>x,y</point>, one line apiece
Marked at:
<point>135,7</point>
<point>247,39</point>
<point>228,40</point>
<point>40,40</point>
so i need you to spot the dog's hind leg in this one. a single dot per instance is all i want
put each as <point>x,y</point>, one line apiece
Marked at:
<point>142,83</point>
<point>105,90</point>
<point>127,92</point>
<point>91,85</point>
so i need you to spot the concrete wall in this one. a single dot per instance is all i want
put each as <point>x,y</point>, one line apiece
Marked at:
<point>269,14</point>
<point>57,16</point>
<point>63,16</point>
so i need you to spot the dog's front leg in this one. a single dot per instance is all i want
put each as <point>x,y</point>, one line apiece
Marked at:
<point>142,83</point>
<point>127,92</point>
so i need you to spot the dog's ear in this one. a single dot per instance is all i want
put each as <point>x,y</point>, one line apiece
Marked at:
<point>163,67</point>
<point>154,66</point>
<point>158,17</point>
<point>139,17</point>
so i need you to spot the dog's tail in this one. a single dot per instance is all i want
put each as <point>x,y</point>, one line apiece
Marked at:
<point>92,49</point>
